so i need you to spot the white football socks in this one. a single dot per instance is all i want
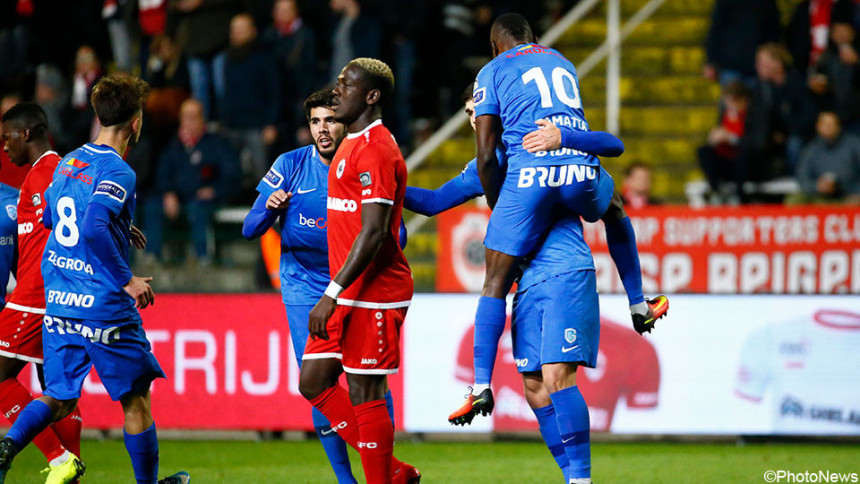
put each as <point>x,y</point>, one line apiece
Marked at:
<point>639,308</point>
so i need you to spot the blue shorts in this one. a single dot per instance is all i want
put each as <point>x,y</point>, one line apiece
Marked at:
<point>557,321</point>
<point>118,349</point>
<point>297,318</point>
<point>529,197</point>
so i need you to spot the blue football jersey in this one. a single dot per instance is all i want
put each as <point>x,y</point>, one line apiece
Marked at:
<point>304,246</point>
<point>525,84</point>
<point>78,284</point>
<point>8,230</point>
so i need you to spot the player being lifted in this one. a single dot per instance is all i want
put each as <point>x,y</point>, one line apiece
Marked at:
<point>359,317</point>
<point>295,190</point>
<point>92,316</point>
<point>25,131</point>
<point>525,82</point>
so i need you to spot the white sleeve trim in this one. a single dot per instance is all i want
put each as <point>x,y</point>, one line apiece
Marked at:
<point>383,201</point>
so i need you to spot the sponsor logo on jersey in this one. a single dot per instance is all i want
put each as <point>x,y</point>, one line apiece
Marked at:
<point>36,199</point>
<point>365,179</point>
<point>12,212</point>
<point>522,362</point>
<point>69,263</point>
<point>97,335</point>
<point>555,176</point>
<point>7,240</point>
<point>314,223</point>
<point>302,192</point>
<point>479,95</point>
<point>71,299</point>
<point>25,228</point>
<point>368,361</point>
<point>340,167</point>
<point>366,191</point>
<point>273,178</point>
<point>341,204</point>
<point>66,171</point>
<point>112,190</point>
<point>77,163</point>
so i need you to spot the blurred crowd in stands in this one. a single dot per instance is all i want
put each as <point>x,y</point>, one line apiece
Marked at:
<point>228,79</point>
<point>790,104</point>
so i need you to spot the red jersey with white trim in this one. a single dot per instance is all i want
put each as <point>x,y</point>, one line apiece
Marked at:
<point>369,168</point>
<point>32,235</point>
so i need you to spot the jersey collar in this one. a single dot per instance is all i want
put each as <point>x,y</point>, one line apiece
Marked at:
<point>102,149</point>
<point>49,152</point>
<point>370,126</point>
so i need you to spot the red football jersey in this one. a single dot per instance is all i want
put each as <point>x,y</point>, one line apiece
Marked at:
<point>32,235</point>
<point>369,168</point>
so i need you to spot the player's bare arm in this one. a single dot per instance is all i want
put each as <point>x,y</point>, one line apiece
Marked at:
<point>375,218</point>
<point>488,131</point>
<point>279,200</point>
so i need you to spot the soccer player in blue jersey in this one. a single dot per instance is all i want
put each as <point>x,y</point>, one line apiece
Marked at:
<point>8,233</point>
<point>92,316</point>
<point>295,190</point>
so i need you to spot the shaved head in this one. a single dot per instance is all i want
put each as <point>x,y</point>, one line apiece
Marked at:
<point>515,26</point>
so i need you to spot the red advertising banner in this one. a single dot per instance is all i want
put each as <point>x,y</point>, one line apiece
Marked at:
<point>229,363</point>
<point>749,249</point>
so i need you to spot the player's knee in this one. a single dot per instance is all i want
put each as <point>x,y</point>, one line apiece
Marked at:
<point>536,393</point>
<point>365,388</point>
<point>558,376</point>
<point>62,408</point>
<point>311,387</point>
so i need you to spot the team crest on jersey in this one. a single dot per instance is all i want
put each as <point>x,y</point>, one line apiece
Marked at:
<point>479,95</point>
<point>273,178</point>
<point>340,167</point>
<point>570,335</point>
<point>365,179</point>
<point>112,190</point>
<point>37,199</point>
<point>12,212</point>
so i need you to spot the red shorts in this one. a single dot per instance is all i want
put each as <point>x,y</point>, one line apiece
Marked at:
<point>21,333</point>
<point>366,340</point>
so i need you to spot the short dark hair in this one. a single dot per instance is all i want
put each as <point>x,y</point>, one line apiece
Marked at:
<point>117,98</point>
<point>635,166</point>
<point>28,116</point>
<point>320,99</point>
<point>377,74</point>
<point>515,25</point>
<point>468,93</point>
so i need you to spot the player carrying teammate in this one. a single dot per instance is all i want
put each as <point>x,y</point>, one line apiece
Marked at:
<point>25,131</point>
<point>359,317</point>
<point>295,190</point>
<point>92,296</point>
<point>525,82</point>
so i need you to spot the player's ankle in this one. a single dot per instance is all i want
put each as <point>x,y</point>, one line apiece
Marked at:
<point>640,308</point>
<point>477,388</point>
<point>61,459</point>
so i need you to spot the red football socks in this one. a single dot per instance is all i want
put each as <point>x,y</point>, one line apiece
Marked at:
<point>13,398</point>
<point>376,441</point>
<point>334,403</point>
<point>68,430</point>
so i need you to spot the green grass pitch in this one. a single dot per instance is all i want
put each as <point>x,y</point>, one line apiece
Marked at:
<point>218,462</point>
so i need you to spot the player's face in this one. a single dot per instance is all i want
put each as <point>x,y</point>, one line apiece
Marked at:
<point>15,145</point>
<point>470,111</point>
<point>325,131</point>
<point>350,95</point>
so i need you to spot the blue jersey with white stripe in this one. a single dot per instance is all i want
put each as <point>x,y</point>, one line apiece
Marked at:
<point>304,246</point>
<point>8,230</point>
<point>525,84</point>
<point>80,282</point>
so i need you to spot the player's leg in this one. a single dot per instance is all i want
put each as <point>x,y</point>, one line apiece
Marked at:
<point>540,402</point>
<point>376,433</point>
<point>67,429</point>
<point>572,416</point>
<point>333,445</point>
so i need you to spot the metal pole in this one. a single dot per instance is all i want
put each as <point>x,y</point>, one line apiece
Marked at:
<point>613,65</point>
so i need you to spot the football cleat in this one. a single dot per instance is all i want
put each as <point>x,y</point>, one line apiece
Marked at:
<point>657,308</point>
<point>406,474</point>
<point>7,453</point>
<point>67,472</point>
<point>180,477</point>
<point>475,404</point>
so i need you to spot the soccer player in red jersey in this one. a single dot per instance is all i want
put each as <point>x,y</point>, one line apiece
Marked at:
<point>359,317</point>
<point>25,132</point>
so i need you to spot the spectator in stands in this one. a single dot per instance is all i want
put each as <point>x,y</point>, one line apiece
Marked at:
<point>294,48</point>
<point>835,78</point>
<point>636,189</point>
<point>197,172</point>
<point>738,28</point>
<point>15,41</point>
<point>202,30</point>
<point>718,157</point>
<point>116,15</point>
<point>809,29</point>
<point>52,96</point>
<point>252,100</point>
<point>88,70</point>
<point>355,35</point>
<point>829,169</point>
<point>167,75</point>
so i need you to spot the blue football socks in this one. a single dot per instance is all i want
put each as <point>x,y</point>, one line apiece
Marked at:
<point>489,326</point>
<point>389,404</point>
<point>573,425</point>
<point>621,240</point>
<point>548,425</point>
<point>143,450</point>
<point>35,418</point>
<point>334,447</point>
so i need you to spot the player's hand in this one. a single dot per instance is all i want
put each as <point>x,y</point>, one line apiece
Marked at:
<point>138,240</point>
<point>319,317</point>
<point>279,200</point>
<point>138,288</point>
<point>546,138</point>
